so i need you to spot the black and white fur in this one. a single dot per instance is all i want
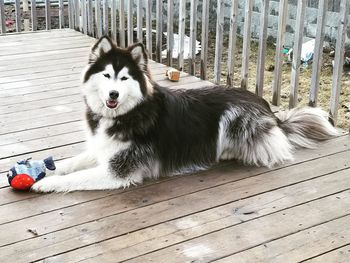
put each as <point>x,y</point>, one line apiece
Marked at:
<point>138,129</point>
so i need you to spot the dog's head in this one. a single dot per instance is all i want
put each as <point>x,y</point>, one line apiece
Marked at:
<point>116,79</point>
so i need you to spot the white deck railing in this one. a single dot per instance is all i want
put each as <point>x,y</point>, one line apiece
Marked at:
<point>119,18</point>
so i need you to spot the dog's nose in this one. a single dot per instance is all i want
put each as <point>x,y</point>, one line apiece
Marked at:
<point>113,94</point>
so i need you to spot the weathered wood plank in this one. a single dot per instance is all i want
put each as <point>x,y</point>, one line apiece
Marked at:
<point>182,25</point>
<point>339,60</point>
<point>114,19</point>
<point>170,33</point>
<point>98,19</point>
<point>48,14</point>
<point>204,39</point>
<point>232,42</point>
<point>84,16</point>
<point>317,58</point>
<point>121,23</point>
<point>298,42</point>
<point>139,20</point>
<point>18,15</point>
<point>2,17</point>
<point>299,246</point>
<point>193,37</point>
<point>277,76</point>
<point>227,241</point>
<point>130,22</point>
<point>61,14</point>
<point>90,21</point>
<point>105,17</point>
<point>184,185</point>
<point>340,255</point>
<point>34,16</point>
<point>218,41</point>
<point>77,14</point>
<point>149,27</point>
<point>180,229</point>
<point>260,71</point>
<point>246,43</point>
<point>159,29</point>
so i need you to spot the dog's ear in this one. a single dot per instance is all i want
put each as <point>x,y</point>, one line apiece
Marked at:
<point>139,54</point>
<point>103,46</point>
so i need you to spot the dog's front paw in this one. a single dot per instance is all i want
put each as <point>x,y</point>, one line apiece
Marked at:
<point>49,184</point>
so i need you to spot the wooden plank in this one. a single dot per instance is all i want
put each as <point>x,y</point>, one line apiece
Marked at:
<point>90,21</point>
<point>260,71</point>
<point>105,17</point>
<point>298,42</point>
<point>48,14</point>
<point>98,18</point>
<point>139,20</point>
<point>61,13</point>
<point>34,16</point>
<point>299,246</point>
<point>130,22</point>
<point>2,17</point>
<point>70,14</point>
<point>228,241</point>
<point>232,42</point>
<point>218,41</point>
<point>184,191</point>
<point>339,60</point>
<point>18,16</point>
<point>121,23</point>
<point>114,20</point>
<point>277,76</point>
<point>77,14</point>
<point>25,6</point>
<point>246,43</point>
<point>204,39</point>
<point>159,29</point>
<point>180,229</point>
<point>182,25</point>
<point>170,32</point>
<point>193,37</point>
<point>149,27</point>
<point>340,255</point>
<point>317,58</point>
<point>28,36</point>
<point>84,16</point>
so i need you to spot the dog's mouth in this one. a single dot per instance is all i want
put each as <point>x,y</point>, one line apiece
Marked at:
<point>111,103</point>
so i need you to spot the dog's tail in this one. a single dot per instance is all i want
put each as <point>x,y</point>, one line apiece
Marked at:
<point>305,127</point>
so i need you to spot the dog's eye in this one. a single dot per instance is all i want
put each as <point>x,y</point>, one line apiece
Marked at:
<point>124,78</point>
<point>107,75</point>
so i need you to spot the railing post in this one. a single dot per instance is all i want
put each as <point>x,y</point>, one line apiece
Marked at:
<point>246,43</point>
<point>182,17</point>
<point>260,71</point>
<point>159,29</point>
<point>2,17</point>
<point>25,6</point>
<point>61,13</point>
<point>339,60</point>
<point>77,5</point>
<point>105,17</point>
<point>130,22</point>
<point>218,42</point>
<point>114,19</point>
<point>232,42</point>
<point>277,79</point>
<point>48,14</point>
<point>170,35</point>
<point>121,24</point>
<point>317,59</point>
<point>18,16</point>
<point>193,37</point>
<point>98,18</point>
<point>149,27</point>
<point>298,42</point>
<point>139,20</point>
<point>34,16</point>
<point>205,30</point>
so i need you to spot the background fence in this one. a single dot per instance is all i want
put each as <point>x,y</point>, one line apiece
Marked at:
<point>130,21</point>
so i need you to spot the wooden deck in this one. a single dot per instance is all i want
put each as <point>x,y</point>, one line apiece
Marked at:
<point>296,212</point>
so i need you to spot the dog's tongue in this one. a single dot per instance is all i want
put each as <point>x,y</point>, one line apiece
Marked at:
<point>111,103</point>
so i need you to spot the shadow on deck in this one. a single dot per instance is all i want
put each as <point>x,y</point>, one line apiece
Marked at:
<point>295,212</point>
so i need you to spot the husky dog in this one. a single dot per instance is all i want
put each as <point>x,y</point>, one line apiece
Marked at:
<point>138,129</point>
